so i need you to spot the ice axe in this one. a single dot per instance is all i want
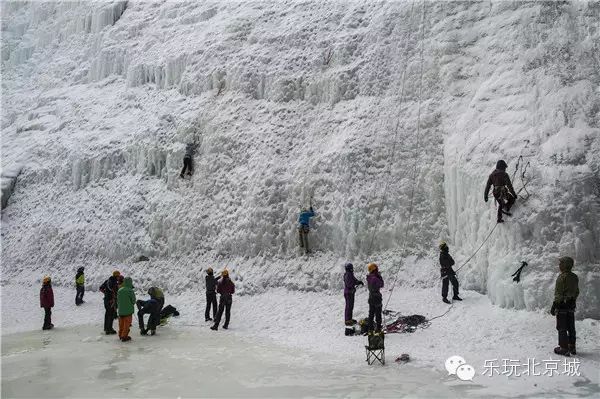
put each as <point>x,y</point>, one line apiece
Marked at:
<point>517,275</point>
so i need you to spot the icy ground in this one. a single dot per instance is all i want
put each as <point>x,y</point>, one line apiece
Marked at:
<point>283,343</point>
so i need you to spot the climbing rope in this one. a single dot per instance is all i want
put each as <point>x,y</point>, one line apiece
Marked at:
<point>395,140</point>
<point>480,246</point>
<point>416,163</point>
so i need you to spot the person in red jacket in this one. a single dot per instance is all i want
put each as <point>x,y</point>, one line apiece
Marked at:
<point>226,288</point>
<point>47,302</point>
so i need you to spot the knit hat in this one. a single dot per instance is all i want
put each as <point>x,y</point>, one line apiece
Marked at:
<point>349,266</point>
<point>501,165</point>
<point>372,267</point>
<point>209,270</point>
<point>443,246</point>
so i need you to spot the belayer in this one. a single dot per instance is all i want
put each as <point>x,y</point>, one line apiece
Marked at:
<point>226,289</point>
<point>448,274</point>
<point>126,303</point>
<point>211,294</point>
<point>566,292</point>
<point>503,191</point>
<point>304,227</point>
<point>374,284</point>
<point>79,286</point>
<point>350,284</point>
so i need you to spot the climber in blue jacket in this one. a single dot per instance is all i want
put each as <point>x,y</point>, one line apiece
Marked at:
<point>304,227</point>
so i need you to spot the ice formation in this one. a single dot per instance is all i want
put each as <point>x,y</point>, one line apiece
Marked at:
<point>290,101</point>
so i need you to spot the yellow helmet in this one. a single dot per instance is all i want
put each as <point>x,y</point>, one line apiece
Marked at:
<point>46,279</point>
<point>209,270</point>
<point>371,267</point>
<point>443,245</point>
<point>116,273</point>
<point>225,273</point>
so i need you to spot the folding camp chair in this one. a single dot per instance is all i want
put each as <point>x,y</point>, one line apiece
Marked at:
<point>375,349</point>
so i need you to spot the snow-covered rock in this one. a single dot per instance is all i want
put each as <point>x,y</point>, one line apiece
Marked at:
<point>389,115</point>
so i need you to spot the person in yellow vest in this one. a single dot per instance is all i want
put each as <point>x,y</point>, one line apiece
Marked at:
<point>80,286</point>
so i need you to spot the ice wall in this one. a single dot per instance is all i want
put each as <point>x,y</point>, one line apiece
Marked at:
<point>537,98</point>
<point>290,101</point>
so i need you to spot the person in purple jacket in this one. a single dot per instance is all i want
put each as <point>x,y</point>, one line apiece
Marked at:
<point>375,284</point>
<point>350,284</point>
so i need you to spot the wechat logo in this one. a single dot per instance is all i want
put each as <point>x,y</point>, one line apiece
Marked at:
<point>458,366</point>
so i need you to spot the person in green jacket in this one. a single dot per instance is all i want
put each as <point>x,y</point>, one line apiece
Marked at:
<point>80,286</point>
<point>563,307</point>
<point>125,306</point>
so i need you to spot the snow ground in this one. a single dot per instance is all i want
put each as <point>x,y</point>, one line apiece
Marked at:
<point>297,334</point>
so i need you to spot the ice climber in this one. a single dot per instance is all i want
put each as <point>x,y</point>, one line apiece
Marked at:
<point>304,227</point>
<point>350,284</point>
<point>503,191</point>
<point>47,302</point>
<point>225,288</point>
<point>211,294</point>
<point>109,288</point>
<point>448,274</point>
<point>566,292</point>
<point>190,149</point>
<point>126,303</point>
<point>374,284</point>
<point>79,286</point>
<point>151,307</point>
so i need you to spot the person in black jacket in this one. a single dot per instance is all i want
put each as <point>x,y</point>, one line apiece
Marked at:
<point>109,288</point>
<point>503,191</point>
<point>448,274</point>
<point>211,294</point>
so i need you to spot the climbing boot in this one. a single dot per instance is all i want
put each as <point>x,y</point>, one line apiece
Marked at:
<point>456,298</point>
<point>561,351</point>
<point>445,300</point>
<point>215,328</point>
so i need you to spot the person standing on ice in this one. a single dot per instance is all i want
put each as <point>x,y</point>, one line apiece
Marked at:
<point>190,149</point>
<point>47,302</point>
<point>226,288</point>
<point>304,227</point>
<point>79,286</point>
<point>374,284</point>
<point>350,284</point>
<point>109,288</point>
<point>503,191</point>
<point>126,303</point>
<point>566,292</point>
<point>211,294</point>
<point>448,274</point>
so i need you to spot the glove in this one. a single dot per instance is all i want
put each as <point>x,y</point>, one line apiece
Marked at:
<point>485,198</point>
<point>553,310</point>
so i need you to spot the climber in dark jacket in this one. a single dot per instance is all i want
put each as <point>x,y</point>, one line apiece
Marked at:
<point>79,286</point>
<point>566,292</point>
<point>226,289</point>
<point>374,284</point>
<point>504,193</point>
<point>109,288</point>
<point>47,302</point>
<point>190,149</point>
<point>211,294</point>
<point>350,284</point>
<point>448,274</point>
